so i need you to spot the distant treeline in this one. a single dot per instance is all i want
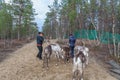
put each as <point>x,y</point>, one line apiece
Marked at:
<point>17,20</point>
<point>71,15</point>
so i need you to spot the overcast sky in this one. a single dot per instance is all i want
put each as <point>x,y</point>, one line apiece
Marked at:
<point>41,7</point>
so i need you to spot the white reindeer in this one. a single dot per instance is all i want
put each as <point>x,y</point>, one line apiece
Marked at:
<point>80,60</point>
<point>57,51</point>
<point>78,66</point>
<point>85,51</point>
<point>50,49</point>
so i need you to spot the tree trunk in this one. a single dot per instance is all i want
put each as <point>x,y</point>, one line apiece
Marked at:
<point>19,26</point>
<point>18,34</point>
<point>114,42</point>
<point>118,51</point>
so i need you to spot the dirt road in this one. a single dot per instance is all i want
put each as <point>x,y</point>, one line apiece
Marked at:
<point>23,65</point>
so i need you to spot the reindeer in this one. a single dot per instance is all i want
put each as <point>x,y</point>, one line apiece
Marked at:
<point>46,55</point>
<point>66,52</point>
<point>78,65</point>
<point>50,49</point>
<point>85,51</point>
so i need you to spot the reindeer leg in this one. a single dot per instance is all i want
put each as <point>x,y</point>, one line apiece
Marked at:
<point>87,59</point>
<point>75,75</point>
<point>49,57</point>
<point>47,63</point>
<point>73,78</point>
<point>82,72</point>
<point>57,56</point>
<point>82,77</point>
<point>68,58</point>
<point>43,62</point>
<point>65,60</point>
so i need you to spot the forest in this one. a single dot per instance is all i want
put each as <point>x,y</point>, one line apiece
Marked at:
<point>17,21</point>
<point>97,20</point>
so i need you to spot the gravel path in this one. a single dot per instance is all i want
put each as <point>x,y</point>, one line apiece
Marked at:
<point>23,65</point>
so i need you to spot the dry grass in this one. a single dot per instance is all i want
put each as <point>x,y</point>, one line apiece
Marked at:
<point>23,65</point>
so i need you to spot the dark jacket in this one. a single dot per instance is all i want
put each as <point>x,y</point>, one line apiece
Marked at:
<point>72,40</point>
<point>40,40</point>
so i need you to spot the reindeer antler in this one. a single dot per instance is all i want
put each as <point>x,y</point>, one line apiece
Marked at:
<point>83,43</point>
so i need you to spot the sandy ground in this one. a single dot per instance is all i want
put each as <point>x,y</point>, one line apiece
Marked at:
<point>23,65</point>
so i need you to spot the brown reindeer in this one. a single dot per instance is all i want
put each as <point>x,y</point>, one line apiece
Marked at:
<point>66,51</point>
<point>46,55</point>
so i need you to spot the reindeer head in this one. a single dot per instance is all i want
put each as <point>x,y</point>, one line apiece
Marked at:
<point>62,53</point>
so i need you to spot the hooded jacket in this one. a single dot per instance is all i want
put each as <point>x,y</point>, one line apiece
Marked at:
<point>40,40</point>
<point>72,40</point>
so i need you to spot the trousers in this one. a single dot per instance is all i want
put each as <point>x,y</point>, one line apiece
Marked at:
<point>72,51</point>
<point>39,55</point>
